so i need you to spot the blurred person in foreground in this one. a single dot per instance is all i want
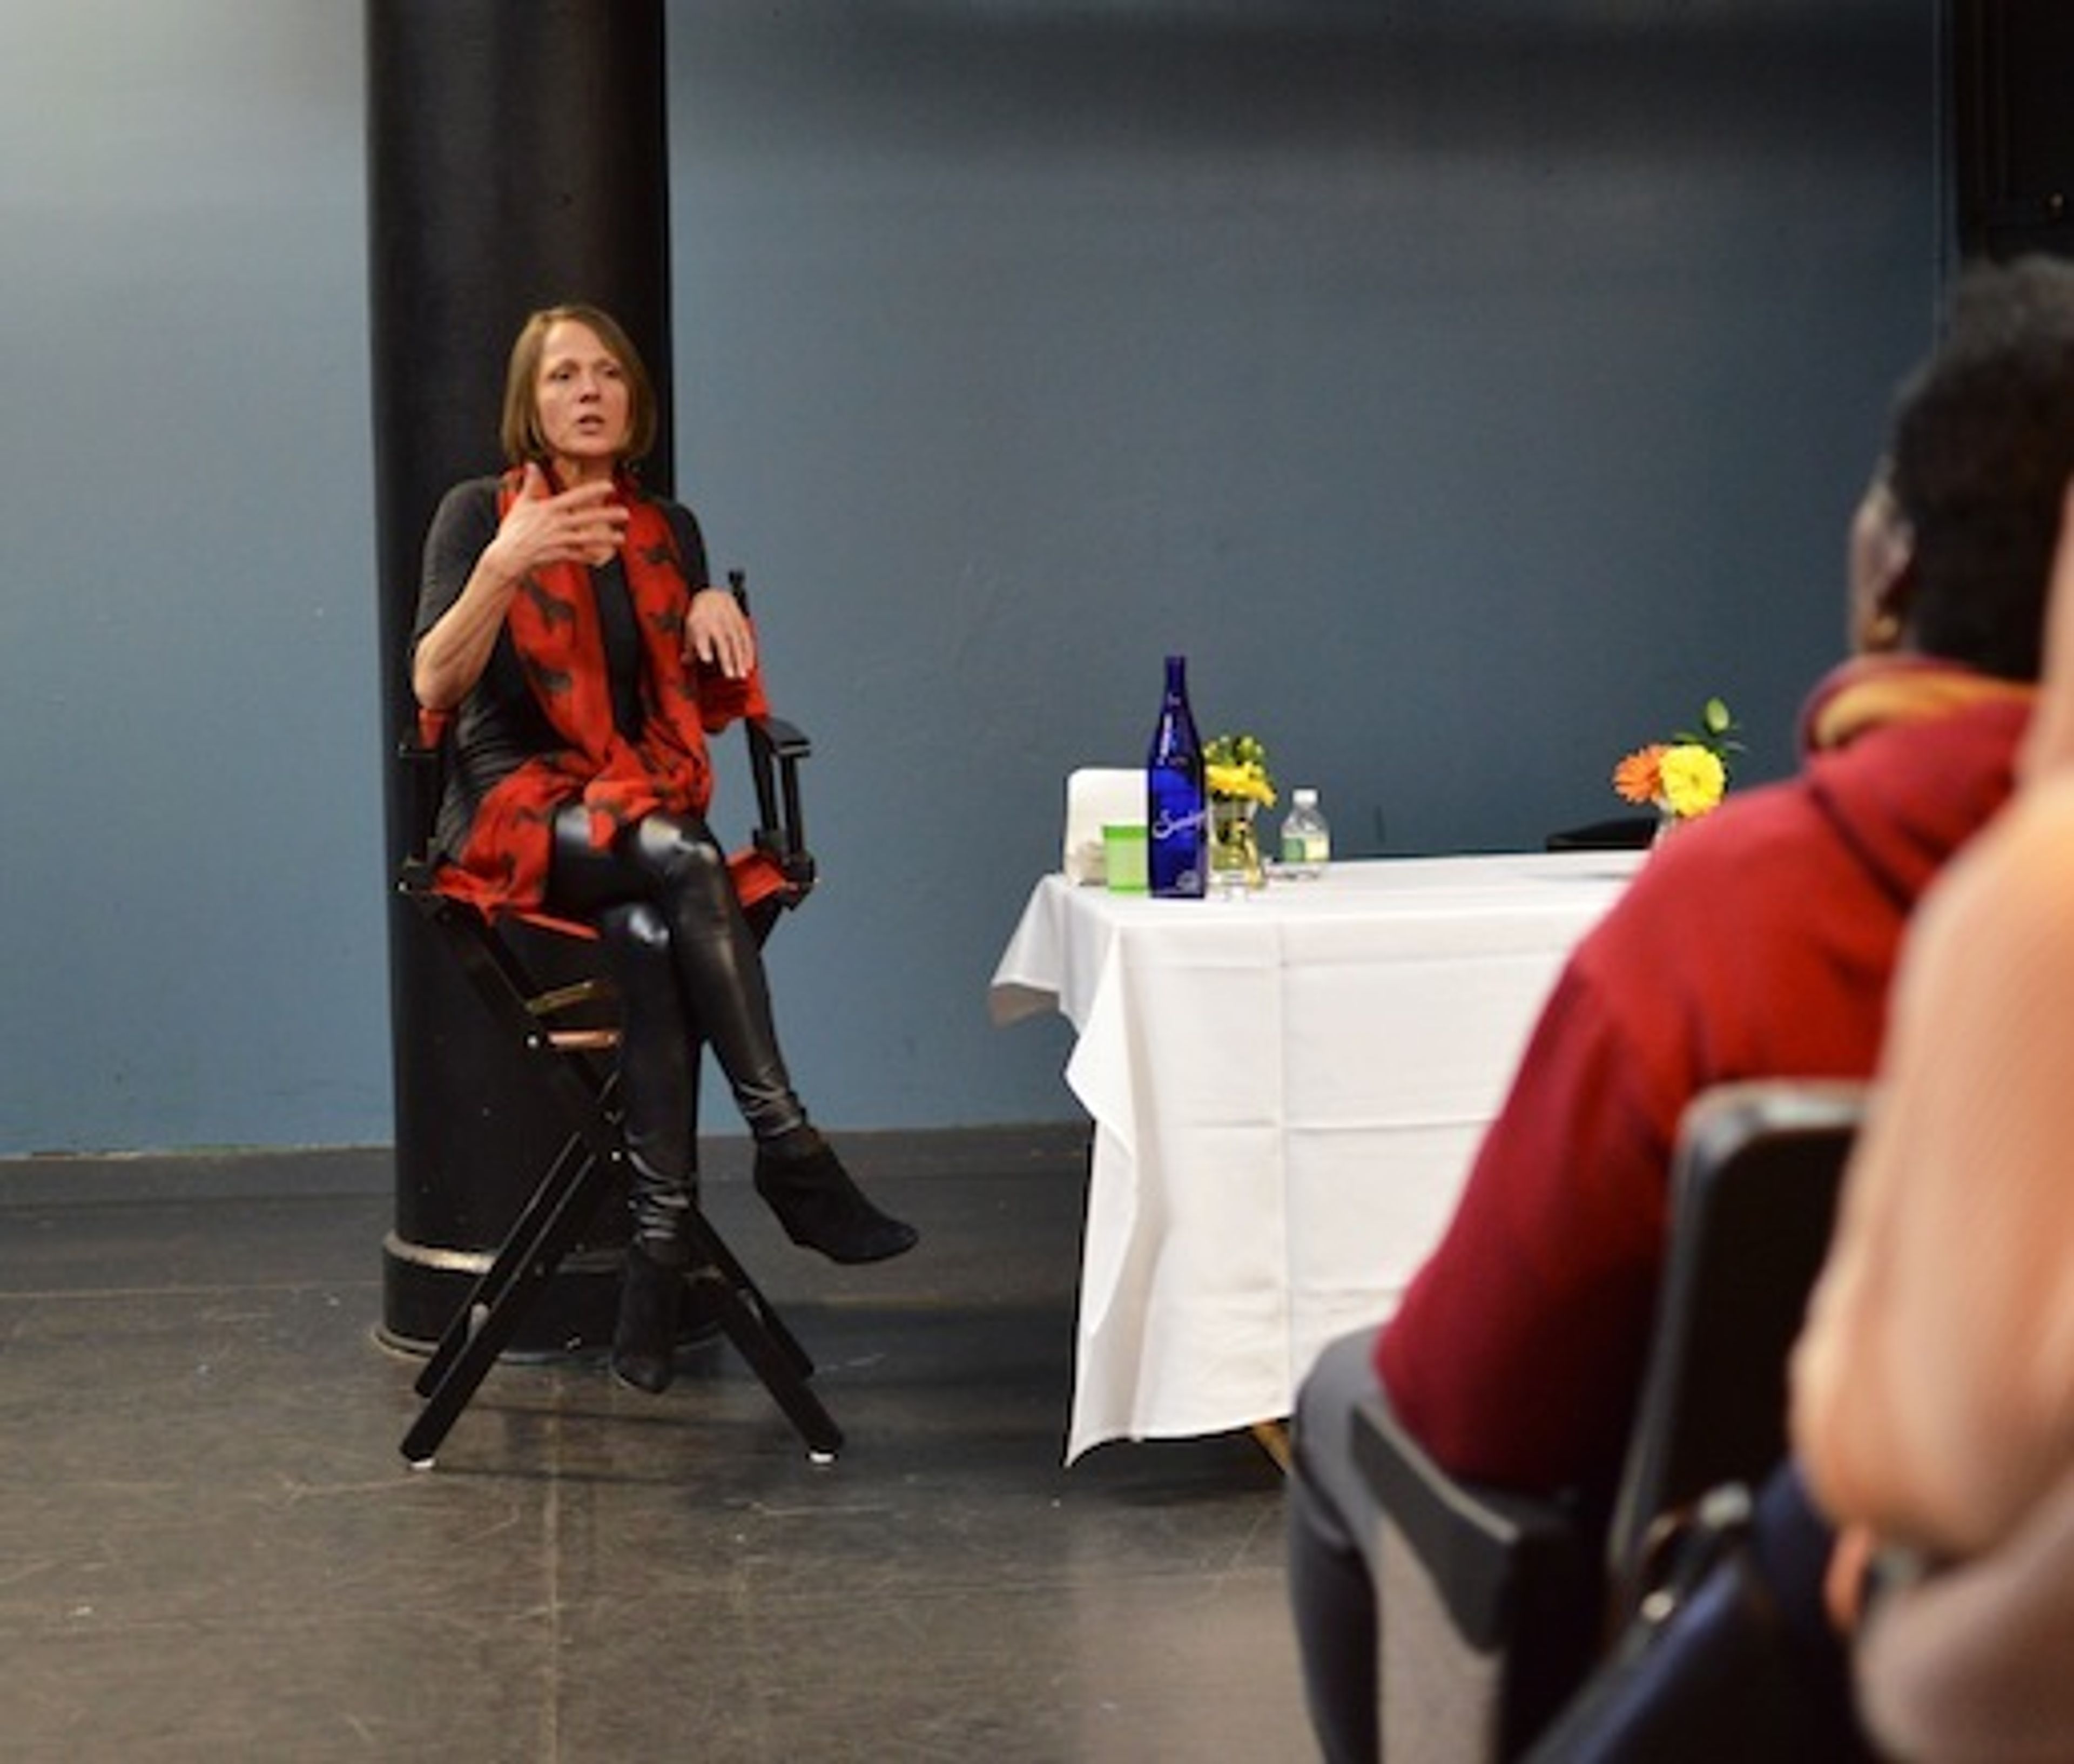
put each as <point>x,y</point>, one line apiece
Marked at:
<point>1933,1389</point>
<point>1932,1406</point>
<point>1759,943</point>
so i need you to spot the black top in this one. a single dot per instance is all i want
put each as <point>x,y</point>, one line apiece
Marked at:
<point>499,725</point>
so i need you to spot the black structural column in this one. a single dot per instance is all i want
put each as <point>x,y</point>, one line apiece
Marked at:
<point>2012,133</point>
<point>517,157</point>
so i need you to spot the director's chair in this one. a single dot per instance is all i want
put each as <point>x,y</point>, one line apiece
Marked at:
<point>566,1040</point>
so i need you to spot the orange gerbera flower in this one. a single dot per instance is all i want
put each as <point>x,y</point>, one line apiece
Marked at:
<point>1639,778</point>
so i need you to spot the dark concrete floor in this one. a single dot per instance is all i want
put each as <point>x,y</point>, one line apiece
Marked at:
<point>210,1548</point>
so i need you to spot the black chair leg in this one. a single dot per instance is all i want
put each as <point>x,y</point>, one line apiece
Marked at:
<point>490,1318</point>
<point>762,1338</point>
<point>775,1358</point>
<point>715,1261</point>
<point>518,1253</point>
<point>554,1219</point>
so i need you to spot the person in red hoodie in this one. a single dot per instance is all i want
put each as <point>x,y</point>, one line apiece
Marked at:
<point>1759,943</point>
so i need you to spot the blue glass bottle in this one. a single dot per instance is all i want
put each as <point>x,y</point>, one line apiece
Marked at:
<point>1176,814</point>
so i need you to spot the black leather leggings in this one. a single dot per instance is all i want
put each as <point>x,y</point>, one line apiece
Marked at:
<point>688,971</point>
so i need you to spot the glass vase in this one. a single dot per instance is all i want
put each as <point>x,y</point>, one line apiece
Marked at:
<point>1235,864</point>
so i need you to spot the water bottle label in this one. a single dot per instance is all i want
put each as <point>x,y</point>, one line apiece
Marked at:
<point>1305,848</point>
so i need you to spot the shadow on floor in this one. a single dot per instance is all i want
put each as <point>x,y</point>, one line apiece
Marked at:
<point>210,1547</point>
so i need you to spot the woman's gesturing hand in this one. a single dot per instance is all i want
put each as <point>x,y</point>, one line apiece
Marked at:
<point>580,525</point>
<point>585,525</point>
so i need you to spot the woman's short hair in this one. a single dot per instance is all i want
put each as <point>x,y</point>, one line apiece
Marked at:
<point>1982,448</point>
<point>520,428</point>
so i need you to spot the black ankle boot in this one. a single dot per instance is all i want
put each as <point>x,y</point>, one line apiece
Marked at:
<point>644,1341</point>
<point>819,1206</point>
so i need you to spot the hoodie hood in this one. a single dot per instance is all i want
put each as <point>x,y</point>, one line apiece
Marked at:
<point>1915,774</point>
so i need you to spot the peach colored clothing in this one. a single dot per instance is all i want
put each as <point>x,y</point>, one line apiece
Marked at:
<point>1933,1390</point>
<point>1972,1664</point>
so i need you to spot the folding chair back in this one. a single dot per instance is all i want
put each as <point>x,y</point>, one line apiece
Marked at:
<point>1513,1607</point>
<point>1753,1201</point>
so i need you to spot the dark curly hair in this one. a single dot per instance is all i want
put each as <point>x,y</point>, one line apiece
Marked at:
<point>1981,450</point>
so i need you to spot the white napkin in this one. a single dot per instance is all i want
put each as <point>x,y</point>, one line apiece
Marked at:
<point>1096,797</point>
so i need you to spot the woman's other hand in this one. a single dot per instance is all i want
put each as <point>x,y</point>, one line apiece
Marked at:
<point>717,633</point>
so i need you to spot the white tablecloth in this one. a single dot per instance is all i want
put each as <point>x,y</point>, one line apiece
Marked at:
<point>1287,1092</point>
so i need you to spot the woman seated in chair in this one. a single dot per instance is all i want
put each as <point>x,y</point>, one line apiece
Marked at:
<point>566,620</point>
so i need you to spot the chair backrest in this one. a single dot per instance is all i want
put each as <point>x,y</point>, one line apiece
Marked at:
<point>1504,1626</point>
<point>1753,1196</point>
<point>1096,796</point>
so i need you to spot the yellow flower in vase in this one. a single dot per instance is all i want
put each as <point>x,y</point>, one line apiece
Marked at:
<point>1686,776</point>
<point>1236,777</point>
<point>1236,766</point>
<point>1693,780</point>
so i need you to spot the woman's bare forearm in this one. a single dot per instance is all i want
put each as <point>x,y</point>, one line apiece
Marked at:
<point>451,656</point>
<point>580,525</point>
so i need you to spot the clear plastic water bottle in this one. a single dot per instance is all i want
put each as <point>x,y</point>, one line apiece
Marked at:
<point>1306,841</point>
<point>1176,811</point>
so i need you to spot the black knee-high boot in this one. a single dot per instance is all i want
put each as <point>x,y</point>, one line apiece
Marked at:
<point>690,970</point>
<point>802,1181</point>
<point>644,1340</point>
<point>721,970</point>
<point>659,1098</point>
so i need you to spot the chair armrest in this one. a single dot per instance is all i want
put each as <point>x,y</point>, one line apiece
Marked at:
<point>776,749</point>
<point>1496,1558</point>
<point>421,758</point>
<point>788,742</point>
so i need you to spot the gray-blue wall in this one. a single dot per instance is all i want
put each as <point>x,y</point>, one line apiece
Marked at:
<point>1469,390</point>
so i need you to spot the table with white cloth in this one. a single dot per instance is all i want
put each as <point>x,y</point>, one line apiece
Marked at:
<point>1287,1089</point>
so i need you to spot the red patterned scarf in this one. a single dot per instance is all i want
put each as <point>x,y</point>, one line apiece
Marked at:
<point>553,621</point>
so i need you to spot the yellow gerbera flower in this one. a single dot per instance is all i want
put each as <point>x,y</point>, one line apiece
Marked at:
<point>1692,779</point>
